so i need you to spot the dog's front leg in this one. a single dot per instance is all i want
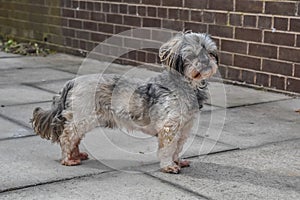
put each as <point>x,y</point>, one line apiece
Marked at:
<point>167,147</point>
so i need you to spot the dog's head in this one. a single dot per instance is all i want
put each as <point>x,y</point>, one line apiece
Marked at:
<point>192,54</point>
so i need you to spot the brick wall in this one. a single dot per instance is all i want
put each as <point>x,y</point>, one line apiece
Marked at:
<point>259,41</point>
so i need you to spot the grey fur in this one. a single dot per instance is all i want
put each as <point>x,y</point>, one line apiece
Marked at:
<point>167,102</point>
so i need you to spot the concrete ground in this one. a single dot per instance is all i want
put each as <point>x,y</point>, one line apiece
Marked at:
<point>245,144</point>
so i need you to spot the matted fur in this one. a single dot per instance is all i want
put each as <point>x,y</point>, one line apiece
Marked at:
<point>163,106</point>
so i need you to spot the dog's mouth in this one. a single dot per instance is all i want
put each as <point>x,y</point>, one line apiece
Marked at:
<point>196,75</point>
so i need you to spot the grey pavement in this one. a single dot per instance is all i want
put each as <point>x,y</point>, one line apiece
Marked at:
<point>245,143</point>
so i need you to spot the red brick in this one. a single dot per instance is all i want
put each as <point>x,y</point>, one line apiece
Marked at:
<point>114,18</point>
<point>279,38</point>
<point>82,35</point>
<point>96,16</point>
<point>293,85</point>
<point>131,1</point>
<point>226,58</point>
<point>262,79</point>
<point>233,74</point>
<point>208,17</point>
<point>83,14</point>
<point>196,16</point>
<point>248,76</point>
<point>66,12</point>
<point>277,82</point>
<point>221,31</point>
<point>298,41</point>
<point>141,56</point>
<point>295,25</point>
<point>105,7</point>
<point>75,23</point>
<point>162,12</point>
<point>119,28</point>
<point>235,19</point>
<point>97,7</point>
<point>202,4</point>
<point>106,28</point>
<point>277,67</point>
<point>281,23</point>
<point>249,6</point>
<point>149,22</point>
<point>249,21</point>
<point>141,10</point>
<point>280,8</point>
<point>152,2</point>
<point>248,34</point>
<point>177,3</point>
<point>222,70</point>
<point>132,10</point>
<point>123,9</point>
<point>234,46</point>
<point>152,11</point>
<point>264,22</point>
<point>173,13</point>
<point>90,25</point>
<point>221,18</point>
<point>132,21</point>
<point>184,15</point>
<point>114,8</point>
<point>247,62</point>
<point>161,35</point>
<point>220,5</point>
<point>173,25</point>
<point>289,54</point>
<point>141,33</point>
<point>263,50</point>
<point>98,37</point>
<point>195,27</point>
<point>68,32</point>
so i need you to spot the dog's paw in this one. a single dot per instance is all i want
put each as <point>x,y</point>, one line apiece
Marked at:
<point>71,162</point>
<point>183,163</point>
<point>174,169</point>
<point>83,156</point>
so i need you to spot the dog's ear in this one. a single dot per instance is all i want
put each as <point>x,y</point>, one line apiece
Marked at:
<point>179,64</point>
<point>169,53</point>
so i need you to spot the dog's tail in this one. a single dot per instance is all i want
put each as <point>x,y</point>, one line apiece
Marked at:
<point>49,124</point>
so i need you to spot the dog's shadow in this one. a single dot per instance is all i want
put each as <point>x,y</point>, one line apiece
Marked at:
<point>225,174</point>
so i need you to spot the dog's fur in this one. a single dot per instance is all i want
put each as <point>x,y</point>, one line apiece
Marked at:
<point>163,106</point>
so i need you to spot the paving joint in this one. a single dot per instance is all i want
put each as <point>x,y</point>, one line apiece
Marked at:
<point>53,181</point>
<point>184,189</point>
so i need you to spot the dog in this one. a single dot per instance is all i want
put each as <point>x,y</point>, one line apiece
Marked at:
<point>163,106</point>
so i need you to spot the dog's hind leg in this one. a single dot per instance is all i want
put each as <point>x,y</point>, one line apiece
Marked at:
<point>70,140</point>
<point>181,141</point>
<point>167,146</point>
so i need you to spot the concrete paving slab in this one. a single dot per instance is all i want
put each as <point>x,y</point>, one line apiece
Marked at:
<point>131,151</point>
<point>32,75</point>
<point>19,94</point>
<point>32,160</point>
<point>106,186</point>
<point>9,129</point>
<point>227,96</point>
<point>13,61</point>
<point>53,86</point>
<point>269,172</point>
<point>22,113</point>
<point>253,125</point>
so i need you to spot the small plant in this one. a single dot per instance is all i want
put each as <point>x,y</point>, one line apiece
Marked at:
<point>29,48</point>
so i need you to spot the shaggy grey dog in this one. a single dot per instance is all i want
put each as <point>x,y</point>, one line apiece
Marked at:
<point>163,106</point>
